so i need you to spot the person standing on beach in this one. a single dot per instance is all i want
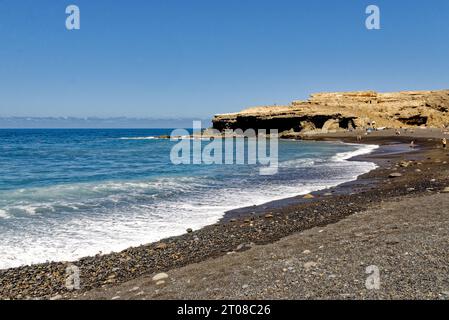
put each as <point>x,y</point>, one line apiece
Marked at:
<point>444,142</point>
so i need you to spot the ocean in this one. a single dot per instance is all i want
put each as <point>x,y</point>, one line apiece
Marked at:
<point>66,194</point>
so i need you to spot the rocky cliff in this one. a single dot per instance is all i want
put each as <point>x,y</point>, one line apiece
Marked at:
<point>325,112</point>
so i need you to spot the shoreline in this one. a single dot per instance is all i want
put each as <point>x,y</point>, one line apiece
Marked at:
<point>269,225</point>
<point>298,198</point>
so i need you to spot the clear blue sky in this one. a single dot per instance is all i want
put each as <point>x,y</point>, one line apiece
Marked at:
<point>195,58</point>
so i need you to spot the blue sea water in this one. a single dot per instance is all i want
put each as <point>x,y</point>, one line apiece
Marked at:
<point>66,194</point>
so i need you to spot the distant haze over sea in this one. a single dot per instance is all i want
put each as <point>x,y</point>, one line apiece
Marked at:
<point>94,122</point>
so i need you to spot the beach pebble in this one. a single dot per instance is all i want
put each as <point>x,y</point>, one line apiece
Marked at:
<point>57,297</point>
<point>395,175</point>
<point>310,264</point>
<point>308,196</point>
<point>445,190</point>
<point>160,283</point>
<point>189,230</point>
<point>244,247</point>
<point>115,298</point>
<point>161,246</point>
<point>268,216</point>
<point>160,276</point>
<point>404,164</point>
<point>306,252</point>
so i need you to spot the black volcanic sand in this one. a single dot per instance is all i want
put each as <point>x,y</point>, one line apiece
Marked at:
<point>237,230</point>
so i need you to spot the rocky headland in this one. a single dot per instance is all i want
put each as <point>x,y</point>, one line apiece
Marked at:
<point>333,112</point>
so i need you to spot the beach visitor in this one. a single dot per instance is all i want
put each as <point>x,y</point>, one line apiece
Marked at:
<point>444,142</point>
<point>412,144</point>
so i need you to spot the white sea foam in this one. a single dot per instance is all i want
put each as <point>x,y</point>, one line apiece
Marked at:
<point>4,214</point>
<point>297,163</point>
<point>363,149</point>
<point>140,138</point>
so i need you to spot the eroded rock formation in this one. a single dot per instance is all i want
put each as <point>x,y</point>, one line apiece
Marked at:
<point>327,112</point>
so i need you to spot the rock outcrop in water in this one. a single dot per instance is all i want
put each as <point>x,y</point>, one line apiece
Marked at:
<point>330,112</point>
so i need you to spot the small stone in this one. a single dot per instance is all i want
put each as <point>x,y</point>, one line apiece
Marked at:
<point>57,297</point>
<point>392,242</point>
<point>115,298</point>
<point>245,286</point>
<point>306,252</point>
<point>240,247</point>
<point>445,190</point>
<point>268,216</point>
<point>308,196</point>
<point>160,283</point>
<point>161,246</point>
<point>134,289</point>
<point>189,230</point>
<point>404,164</point>
<point>160,276</point>
<point>310,264</point>
<point>395,175</point>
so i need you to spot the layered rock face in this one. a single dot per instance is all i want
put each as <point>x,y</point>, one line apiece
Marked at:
<point>327,112</point>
